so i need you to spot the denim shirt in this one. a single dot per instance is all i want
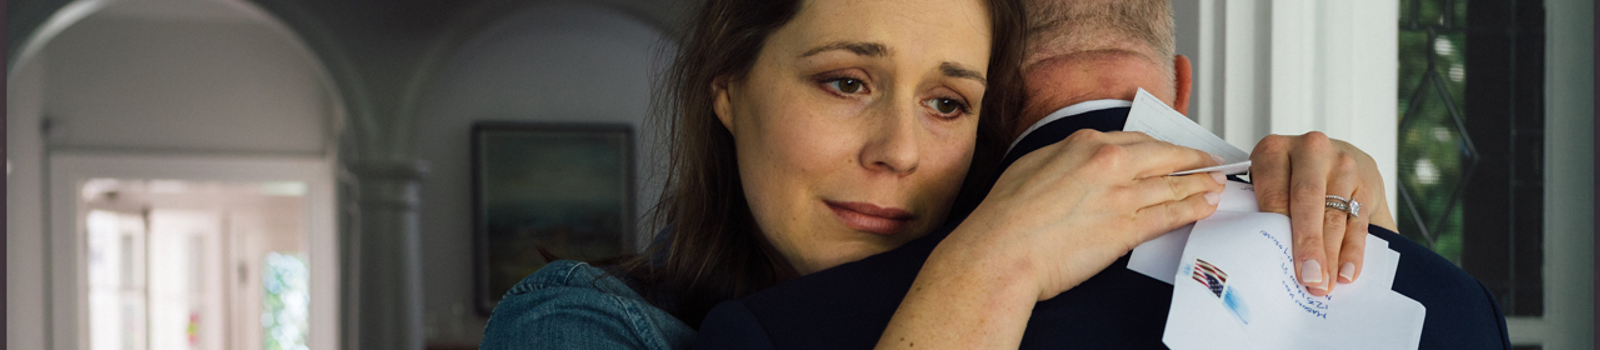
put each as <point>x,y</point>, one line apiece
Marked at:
<point>571,305</point>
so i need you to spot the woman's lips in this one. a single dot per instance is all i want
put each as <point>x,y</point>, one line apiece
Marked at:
<point>870,218</point>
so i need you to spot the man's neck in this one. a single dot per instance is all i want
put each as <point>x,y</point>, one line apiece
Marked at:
<point>1066,80</point>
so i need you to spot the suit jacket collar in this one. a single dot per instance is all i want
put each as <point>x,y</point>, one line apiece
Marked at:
<point>1070,111</point>
<point>1044,133</point>
<point>1053,131</point>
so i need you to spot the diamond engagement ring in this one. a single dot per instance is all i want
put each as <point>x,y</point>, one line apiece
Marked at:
<point>1344,205</point>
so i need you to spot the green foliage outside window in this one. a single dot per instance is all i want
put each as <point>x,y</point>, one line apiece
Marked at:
<point>284,319</point>
<point>1435,154</point>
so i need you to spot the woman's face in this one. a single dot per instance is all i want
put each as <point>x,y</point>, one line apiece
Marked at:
<point>856,124</point>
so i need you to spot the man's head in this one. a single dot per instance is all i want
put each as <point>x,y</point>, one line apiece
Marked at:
<point>1142,28</point>
<point>1080,50</point>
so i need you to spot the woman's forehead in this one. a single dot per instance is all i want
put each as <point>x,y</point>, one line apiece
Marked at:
<point>946,30</point>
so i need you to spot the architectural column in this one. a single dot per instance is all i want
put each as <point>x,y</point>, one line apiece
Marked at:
<point>383,261</point>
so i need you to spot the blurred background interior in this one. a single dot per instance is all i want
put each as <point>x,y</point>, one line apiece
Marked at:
<point>293,174</point>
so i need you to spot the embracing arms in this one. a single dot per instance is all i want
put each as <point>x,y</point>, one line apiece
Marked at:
<point>1065,212</point>
<point>1055,218</point>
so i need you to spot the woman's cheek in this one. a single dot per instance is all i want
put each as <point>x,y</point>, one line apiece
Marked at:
<point>956,161</point>
<point>952,172</point>
<point>822,141</point>
<point>946,158</point>
<point>954,141</point>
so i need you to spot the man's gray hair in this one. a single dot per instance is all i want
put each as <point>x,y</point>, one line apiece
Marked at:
<point>1064,27</point>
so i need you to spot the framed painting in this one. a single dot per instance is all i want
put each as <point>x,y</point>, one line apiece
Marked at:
<point>547,191</point>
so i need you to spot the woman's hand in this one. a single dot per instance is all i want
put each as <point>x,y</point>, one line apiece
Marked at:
<point>1293,175</point>
<point>1056,217</point>
<point>1069,210</point>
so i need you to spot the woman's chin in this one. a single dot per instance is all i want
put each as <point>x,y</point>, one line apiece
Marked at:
<point>850,252</point>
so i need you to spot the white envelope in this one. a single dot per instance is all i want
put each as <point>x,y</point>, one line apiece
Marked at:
<point>1257,302</point>
<point>1151,116</point>
<point>1236,289</point>
<point>1158,258</point>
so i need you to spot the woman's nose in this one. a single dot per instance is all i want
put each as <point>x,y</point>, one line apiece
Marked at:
<point>893,144</point>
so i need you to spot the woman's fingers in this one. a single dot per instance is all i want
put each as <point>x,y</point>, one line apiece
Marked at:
<point>1292,176</point>
<point>1155,190</point>
<point>1122,137</point>
<point>1309,167</point>
<point>1159,158</point>
<point>1353,252</point>
<point>1143,155</point>
<point>1341,182</point>
<point>1333,229</point>
<point>1355,240</point>
<point>1269,172</point>
<point>1155,220</point>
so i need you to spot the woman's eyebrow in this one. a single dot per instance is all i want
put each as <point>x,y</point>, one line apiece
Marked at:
<point>859,48</point>
<point>956,70</point>
<point>869,49</point>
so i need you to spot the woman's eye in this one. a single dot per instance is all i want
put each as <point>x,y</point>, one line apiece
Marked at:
<point>845,85</point>
<point>945,105</point>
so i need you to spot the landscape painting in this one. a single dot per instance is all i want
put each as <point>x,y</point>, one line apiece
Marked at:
<point>544,192</point>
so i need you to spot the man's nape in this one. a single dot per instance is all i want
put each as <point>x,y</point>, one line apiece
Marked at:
<point>1062,81</point>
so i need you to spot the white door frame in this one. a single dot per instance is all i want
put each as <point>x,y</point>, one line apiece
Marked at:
<point>1568,321</point>
<point>68,170</point>
<point>1286,67</point>
<point>1290,67</point>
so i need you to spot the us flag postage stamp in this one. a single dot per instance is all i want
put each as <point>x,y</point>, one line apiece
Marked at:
<point>1214,279</point>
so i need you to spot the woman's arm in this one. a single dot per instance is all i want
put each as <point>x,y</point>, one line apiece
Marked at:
<point>969,293</point>
<point>1055,218</point>
<point>571,305</point>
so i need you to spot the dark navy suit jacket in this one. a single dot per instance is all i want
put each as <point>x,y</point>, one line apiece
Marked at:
<point>849,306</point>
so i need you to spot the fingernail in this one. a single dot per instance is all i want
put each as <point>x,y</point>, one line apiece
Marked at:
<point>1212,198</point>
<point>1220,179</point>
<point>1218,159</point>
<point>1311,273</point>
<point>1347,272</point>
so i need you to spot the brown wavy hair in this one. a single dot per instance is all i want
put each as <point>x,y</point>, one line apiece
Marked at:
<point>713,250</point>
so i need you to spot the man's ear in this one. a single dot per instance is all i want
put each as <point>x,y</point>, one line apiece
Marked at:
<point>721,102</point>
<point>1185,81</point>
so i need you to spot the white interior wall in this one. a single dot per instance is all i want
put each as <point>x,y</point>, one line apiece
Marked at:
<point>568,63</point>
<point>26,314</point>
<point>174,84</point>
<point>1186,32</point>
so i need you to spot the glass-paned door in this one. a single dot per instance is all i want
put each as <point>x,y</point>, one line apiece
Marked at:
<point>1471,136</point>
<point>116,268</point>
<point>196,265</point>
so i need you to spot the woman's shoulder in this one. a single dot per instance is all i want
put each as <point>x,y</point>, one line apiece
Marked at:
<point>573,305</point>
<point>568,273</point>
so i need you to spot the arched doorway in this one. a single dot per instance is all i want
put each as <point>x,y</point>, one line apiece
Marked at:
<point>213,104</point>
